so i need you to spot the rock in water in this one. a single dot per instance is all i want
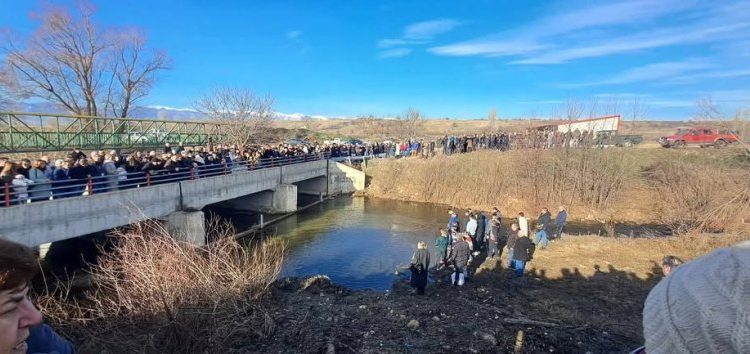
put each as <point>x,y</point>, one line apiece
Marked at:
<point>413,325</point>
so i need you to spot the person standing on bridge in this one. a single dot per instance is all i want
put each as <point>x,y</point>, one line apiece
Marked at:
<point>40,190</point>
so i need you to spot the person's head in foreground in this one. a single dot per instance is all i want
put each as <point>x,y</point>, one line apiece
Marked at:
<point>669,264</point>
<point>17,313</point>
<point>703,306</point>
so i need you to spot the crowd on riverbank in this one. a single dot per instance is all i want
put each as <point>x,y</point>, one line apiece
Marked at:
<point>458,244</point>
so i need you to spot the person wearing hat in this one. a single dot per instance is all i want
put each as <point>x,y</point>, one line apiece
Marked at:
<point>541,236</point>
<point>702,307</point>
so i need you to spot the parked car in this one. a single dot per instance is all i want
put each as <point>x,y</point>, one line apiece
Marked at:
<point>699,136</point>
<point>606,138</point>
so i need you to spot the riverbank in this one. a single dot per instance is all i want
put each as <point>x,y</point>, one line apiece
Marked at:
<point>582,294</point>
<point>682,189</point>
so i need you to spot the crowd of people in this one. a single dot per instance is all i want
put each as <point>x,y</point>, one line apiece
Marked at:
<point>28,180</point>
<point>459,243</point>
<point>78,173</point>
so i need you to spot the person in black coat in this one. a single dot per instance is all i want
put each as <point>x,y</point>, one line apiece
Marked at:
<point>420,263</point>
<point>459,258</point>
<point>523,250</point>
<point>545,218</point>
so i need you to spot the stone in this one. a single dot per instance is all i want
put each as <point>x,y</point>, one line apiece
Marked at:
<point>413,325</point>
<point>436,319</point>
<point>489,338</point>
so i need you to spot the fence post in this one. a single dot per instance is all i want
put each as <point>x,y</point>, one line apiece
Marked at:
<point>192,173</point>
<point>148,178</point>
<point>7,194</point>
<point>90,185</point>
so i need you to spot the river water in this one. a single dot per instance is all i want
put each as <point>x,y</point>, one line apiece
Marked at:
<point>360,242</point>
<point>357,242</point>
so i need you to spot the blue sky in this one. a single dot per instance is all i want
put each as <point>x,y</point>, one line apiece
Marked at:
<point>453,59</point>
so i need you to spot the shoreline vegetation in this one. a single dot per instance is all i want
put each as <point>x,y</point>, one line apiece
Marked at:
<point>684,190</point>
<point>582,294</point>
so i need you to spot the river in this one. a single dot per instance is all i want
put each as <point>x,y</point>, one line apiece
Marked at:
<point>360,242</point>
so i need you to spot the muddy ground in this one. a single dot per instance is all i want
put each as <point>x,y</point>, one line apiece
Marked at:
<point>494,312</point>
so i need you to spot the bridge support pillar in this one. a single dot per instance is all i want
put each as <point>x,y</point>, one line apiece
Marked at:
<point>187,226</point>
<point>285,198</point>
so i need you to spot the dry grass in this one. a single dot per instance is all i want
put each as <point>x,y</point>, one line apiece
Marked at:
<point>617,185</point>
<point>155,294</point>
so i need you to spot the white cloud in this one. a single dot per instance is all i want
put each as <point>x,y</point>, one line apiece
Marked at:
<point>528,39</point>
<point>611,28</point>
<point>395,53</point>
<point>415,34</point>
<point>650,72</point>
<point>643,40</point>
<point>488,47</point>
<point>429,29</point>
<point>294,34</point>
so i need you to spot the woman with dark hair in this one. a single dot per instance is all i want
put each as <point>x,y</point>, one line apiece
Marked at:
<point>21,328</point>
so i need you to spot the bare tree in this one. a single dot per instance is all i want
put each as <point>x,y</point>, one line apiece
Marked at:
<point>86,69</point>
<point>249,115</point>
<point>708,110</point>
<point>133,70</point>
<point>411,122</point>
<point>573,109</point>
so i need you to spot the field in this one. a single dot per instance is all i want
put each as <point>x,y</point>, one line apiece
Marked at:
<point>367,129</point>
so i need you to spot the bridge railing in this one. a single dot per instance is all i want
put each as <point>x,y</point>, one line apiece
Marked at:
<point>20,191</point>
<point>31,132</point>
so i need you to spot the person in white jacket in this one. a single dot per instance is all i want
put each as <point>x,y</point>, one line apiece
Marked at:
<point>21,188</point>
<point>523,224</point>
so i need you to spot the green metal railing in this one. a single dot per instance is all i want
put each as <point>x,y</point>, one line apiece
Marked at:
<point>32,132</point>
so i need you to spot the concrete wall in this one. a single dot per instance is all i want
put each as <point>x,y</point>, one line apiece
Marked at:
<point>344,179</point>
<point>42,222</point>
<point>37,223</point>
<point>203,191</point>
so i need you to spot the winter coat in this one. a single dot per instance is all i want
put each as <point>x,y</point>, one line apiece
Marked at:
<point>522,249</point>
<point>562,218</point>
<point>40,190</point>
<point>441,244</point>
<point>471,227</point>
<point>460,254</point>
<point>20,188</point>
<point>110,171</point>
<point>421,258</point>
<point>545,219</point>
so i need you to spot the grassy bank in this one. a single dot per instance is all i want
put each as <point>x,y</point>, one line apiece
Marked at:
<point>705,188</point>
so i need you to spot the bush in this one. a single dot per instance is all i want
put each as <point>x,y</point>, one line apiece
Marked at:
<point>155,294</point>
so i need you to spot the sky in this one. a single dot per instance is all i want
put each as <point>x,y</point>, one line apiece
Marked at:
<point>456,59</point>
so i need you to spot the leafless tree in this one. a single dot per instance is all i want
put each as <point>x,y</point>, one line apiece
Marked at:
<point>573,109</point>
<point>249,115</point>
<point>133,68</point>
<point>411,122</point>
<point>88,70</point>
<point>708,110</point>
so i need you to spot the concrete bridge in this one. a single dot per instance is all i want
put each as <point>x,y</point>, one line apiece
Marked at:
<point>268,190</point>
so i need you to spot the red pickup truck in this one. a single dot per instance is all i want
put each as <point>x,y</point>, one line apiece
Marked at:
<point>699,137</point>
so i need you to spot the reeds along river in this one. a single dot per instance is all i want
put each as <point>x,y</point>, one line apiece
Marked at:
<point>359,242</point>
